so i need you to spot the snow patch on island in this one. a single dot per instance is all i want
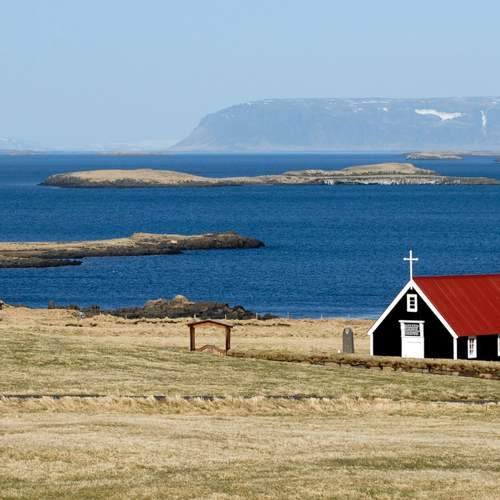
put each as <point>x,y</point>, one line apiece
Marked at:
<point>484,119</point>
<point>443,115</point>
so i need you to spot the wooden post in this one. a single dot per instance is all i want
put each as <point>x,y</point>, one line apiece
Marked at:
<point>228,338</point>
<point>192,346</point>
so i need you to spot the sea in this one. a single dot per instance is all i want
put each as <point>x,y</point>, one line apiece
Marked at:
<point>329,250</point>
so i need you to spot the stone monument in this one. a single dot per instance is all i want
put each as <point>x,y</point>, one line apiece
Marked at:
<point>348,341</point>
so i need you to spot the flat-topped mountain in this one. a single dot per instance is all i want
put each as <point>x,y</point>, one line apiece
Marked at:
<point>371,124</point>
<point>381,173</point>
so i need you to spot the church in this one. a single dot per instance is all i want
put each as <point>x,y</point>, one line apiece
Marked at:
<point>455,317</point>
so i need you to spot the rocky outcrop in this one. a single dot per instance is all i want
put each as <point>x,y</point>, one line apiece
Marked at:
<point>54,254</point>
<point>181,307</point>
<point>178,307</point>
<point>24,262</point>
<point>381,173</point>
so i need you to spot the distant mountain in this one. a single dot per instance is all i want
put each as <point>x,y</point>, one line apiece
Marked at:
<point>371,124</point>
<point>9,144</point>
<point>140,146</point>
<point>147,146</point>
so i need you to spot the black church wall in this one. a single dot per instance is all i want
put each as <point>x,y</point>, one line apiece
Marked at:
<point>462,348</point>
<point>438,342</point>
<point>486,348</point>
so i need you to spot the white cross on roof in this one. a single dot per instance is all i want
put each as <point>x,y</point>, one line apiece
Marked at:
<point>411,260</point>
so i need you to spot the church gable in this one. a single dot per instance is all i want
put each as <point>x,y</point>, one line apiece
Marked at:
<point>410,328</point>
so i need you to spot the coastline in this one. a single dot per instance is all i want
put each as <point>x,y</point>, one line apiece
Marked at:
<point>57,254</point>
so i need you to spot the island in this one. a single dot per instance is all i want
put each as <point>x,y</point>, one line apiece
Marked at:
<point>450,155</point>
<point>55,254</point>
<point>434,155</point>
<point>380,173</point>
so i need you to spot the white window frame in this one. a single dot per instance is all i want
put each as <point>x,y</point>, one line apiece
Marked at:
<point>472,347</point>
<point>498,346</point>
<point>403,324</point>
<point>412,303</point>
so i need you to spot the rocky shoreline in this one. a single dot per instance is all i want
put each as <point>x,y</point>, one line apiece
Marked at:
<point>56,254</point>
<point>382,173</point>
<point>177,307</point>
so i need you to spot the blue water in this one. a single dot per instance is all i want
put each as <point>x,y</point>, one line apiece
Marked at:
<point>330,250</point>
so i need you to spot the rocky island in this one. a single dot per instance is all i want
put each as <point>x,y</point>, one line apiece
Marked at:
<point>434,155</point>
<point>55,254</point>
<point>450,155</point>
<point>381,173</point>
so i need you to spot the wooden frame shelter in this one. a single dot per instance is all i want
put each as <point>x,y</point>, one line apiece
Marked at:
<point>208,322</point>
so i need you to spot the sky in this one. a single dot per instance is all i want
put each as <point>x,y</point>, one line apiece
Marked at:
<point>80,73</point>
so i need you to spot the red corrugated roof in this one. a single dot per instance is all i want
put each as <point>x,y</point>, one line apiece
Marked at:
<point>470,303</point>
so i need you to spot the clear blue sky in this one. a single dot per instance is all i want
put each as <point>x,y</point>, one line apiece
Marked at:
<point>79,72</point>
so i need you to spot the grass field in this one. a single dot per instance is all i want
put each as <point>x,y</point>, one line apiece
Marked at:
<point>384,435</point>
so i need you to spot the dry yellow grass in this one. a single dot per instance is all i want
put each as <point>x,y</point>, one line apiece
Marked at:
<point>110,356</point>
<point>355,451</point>
<point>143,174</point>
<point>301,336</point>
<point>381,437</point>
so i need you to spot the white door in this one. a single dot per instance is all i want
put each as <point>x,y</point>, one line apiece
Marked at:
<point>412,339</point>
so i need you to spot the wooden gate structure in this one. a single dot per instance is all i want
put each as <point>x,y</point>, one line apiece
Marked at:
<point>208,322</point>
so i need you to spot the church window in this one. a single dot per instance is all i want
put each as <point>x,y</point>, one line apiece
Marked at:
<point>411,302</point>
<point>472,347</point>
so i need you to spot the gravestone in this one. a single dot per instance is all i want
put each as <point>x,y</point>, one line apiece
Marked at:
<point>348,341</point>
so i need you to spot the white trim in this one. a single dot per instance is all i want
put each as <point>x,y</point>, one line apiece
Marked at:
<point>411,285</point>
<point>498,345</point>
<point>399,296</point>
<point>435,311</point>
<point>411,302</point>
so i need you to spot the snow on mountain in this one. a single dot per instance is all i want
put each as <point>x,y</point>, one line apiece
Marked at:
<point>331,124</point>
<point>484,119</point>
<point>444,115</point>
